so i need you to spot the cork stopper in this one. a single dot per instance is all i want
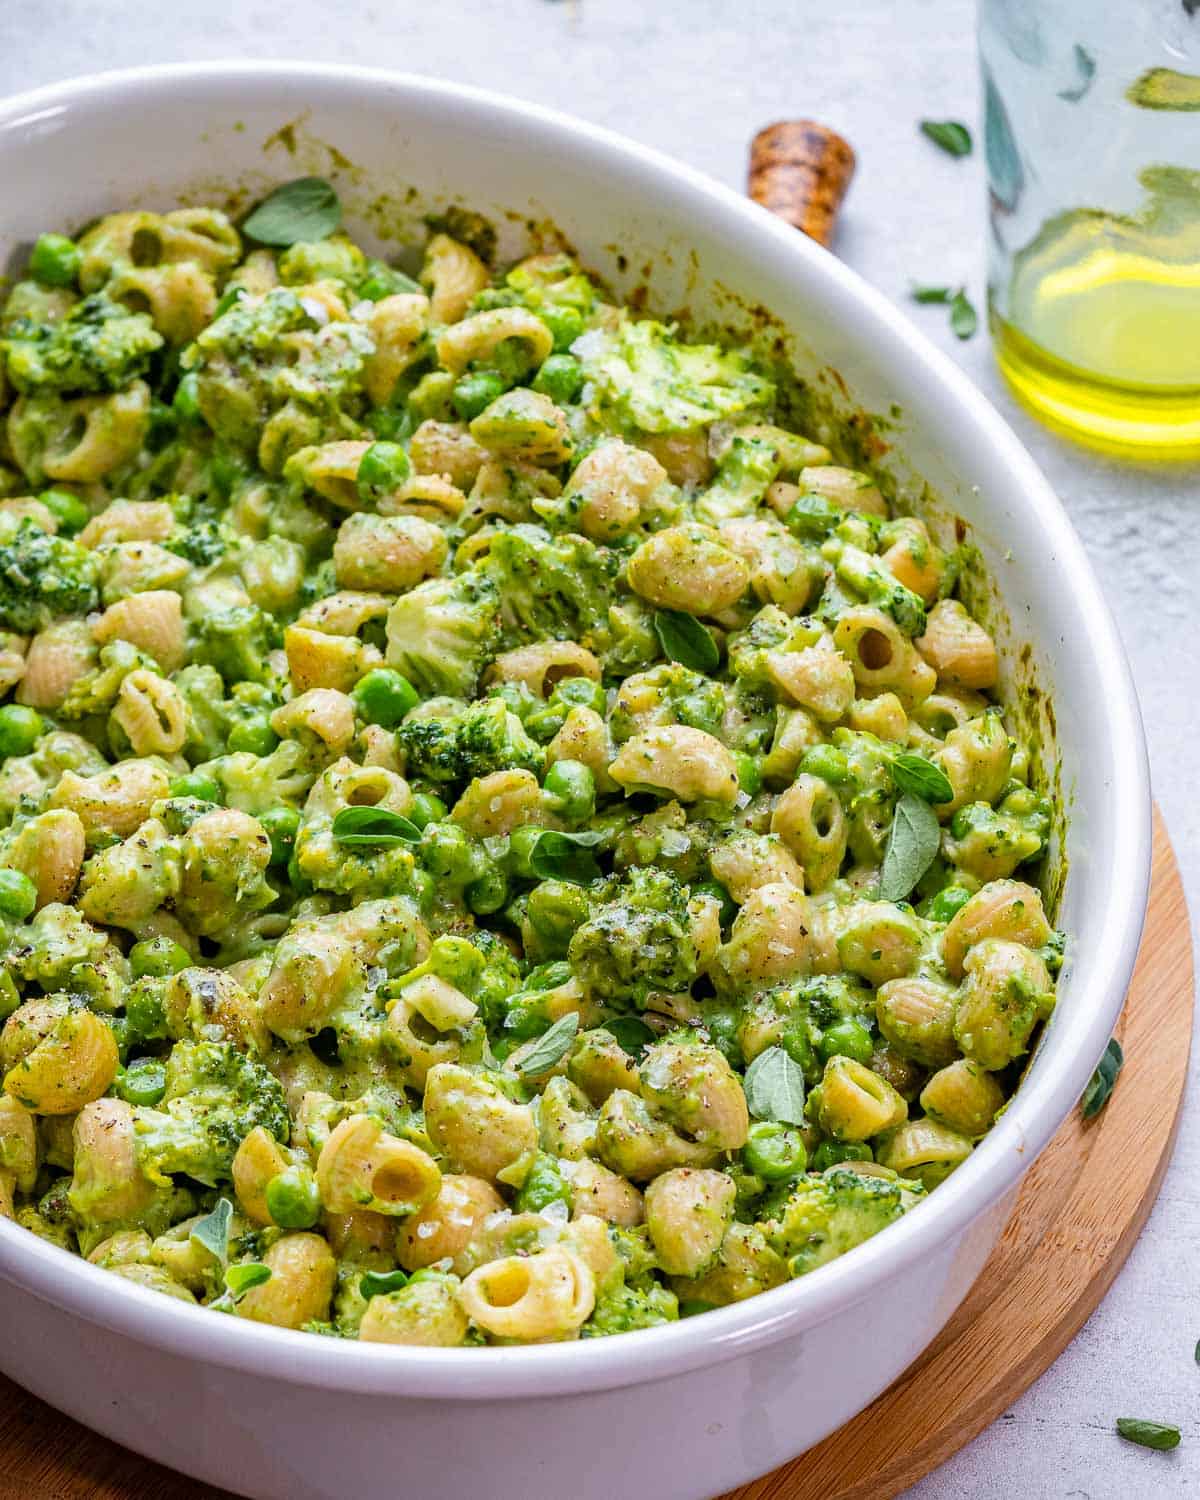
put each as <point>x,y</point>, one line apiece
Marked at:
<point>800,170</point>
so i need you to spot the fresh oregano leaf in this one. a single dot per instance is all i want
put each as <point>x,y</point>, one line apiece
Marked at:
<point>306,209</point>
<point>932,294</point>
<point>915,774</point>
<point>379,1283</point>
<point>963,318</point>
<point>550,1046</point>
<point>1103,1080</point>
<point>1085,72</point>
<point>912,847</point>
<point>774,1086</point>
<point>243,1277</point>
<point>565,856</point>
<point>212,1231</point>
<point>686,641</point>
<point>953,137</point>
<point>356,826</point>
<point>634,1036</point>
<point>1148,1434</point>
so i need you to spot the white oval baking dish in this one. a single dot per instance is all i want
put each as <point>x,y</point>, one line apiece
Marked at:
<point>692,1409</point>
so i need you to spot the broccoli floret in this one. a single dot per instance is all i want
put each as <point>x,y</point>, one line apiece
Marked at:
<point>639,940</point>
<point>825,1216</point>
<point>201,542</point>
<point>990,843</point>
<point>265,352</point>
<point>551,587</point>
<point>744,474</point>
<point>98,346</point>
<point>335,258</point>
<point>646,379</point>
<point>443,633</point>
<point>215,1097</point>
<point>668,694</point>
<point>770,630</point>
<point>480,738</point>
<point>42,577</point>
<point>624,1308</point>
<point>236,641</point>
<point>96,691</point>
<point>866,576</point>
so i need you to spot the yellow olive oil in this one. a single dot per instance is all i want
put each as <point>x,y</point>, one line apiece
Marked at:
<point>1101,332</point>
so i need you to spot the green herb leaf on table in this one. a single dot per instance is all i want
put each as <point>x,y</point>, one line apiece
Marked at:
<point>963,318</point>
<point>774,1087</point>
<point>633,1036</point>
<point>1103,1080</point>
<point>1085,72</point>
<point>212,1231</point>
<point>379,1283</point>
<point>243,1277</point>
<point>550,1046</point>
<point>915,774</point>
<point>953,137</point>
<point>1148,1434</point>
<point>686,641</point>
<point>912,847</point>
<point>356,826</point>
<point>306,209</point>
<point>566,856</point>
<point>937,295</point>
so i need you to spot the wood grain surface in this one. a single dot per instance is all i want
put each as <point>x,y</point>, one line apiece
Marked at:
<point>1080,1211</point>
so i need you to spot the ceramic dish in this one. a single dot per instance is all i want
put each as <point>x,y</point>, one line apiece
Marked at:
<point>690,1409</point>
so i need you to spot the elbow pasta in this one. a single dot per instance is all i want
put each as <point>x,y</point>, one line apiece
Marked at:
<point>455,736</point>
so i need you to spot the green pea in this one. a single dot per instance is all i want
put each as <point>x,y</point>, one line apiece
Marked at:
<point>384,697</point>
<point>544,1185</point>
<point>422,887</point>
<point>827,762</point>
<point>18,895</point>
<point>427,807</point>
<point>10,995</point>
<point>522,843</point>
<point>68,510</point>
<point>846,1039</point>
<point>554,910</point>
<point>582,692</point>
<point>142,1082</point>
<point>157,958</point>
<point>565,323</point>
<point>254,735</point>
<point>55,260</point>
<point>382,469</point>
<point>446,852</point>
<point>186,401</point>
<point>692,1307</point>
<point>281,824</point>
<point>723,1022</point>
<point>560,378</point>
<point>488,893</point>
<point>749,772</point>
<point>292,1198</point>
<point>20,729</point>
<point>196,784</point>
<point>145,1018</point>
<point>573,786</point>
<point>475,392</point>
<point>948,901</point>
<point>831,1153</point>
<point>798,1045</point>
<point>717,891</point>
<point>774,1151</point>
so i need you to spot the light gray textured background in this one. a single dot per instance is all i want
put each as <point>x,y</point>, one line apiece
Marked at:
<point>697,78</point>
